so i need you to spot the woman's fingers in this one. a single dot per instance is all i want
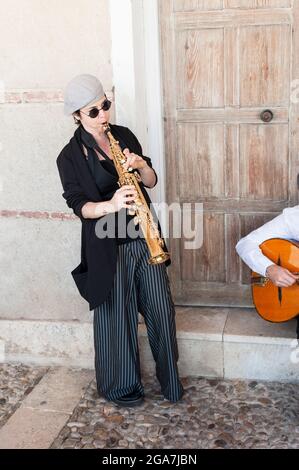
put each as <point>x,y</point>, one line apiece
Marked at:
<point>128,156</point>
<point>133,160</point>
<point>128,199</point>
<point>127,187</point>
<point>124,196</point>
<point>127,194</point>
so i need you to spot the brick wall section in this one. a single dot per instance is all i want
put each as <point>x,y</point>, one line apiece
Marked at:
<point>39,96</point>
<point>33,96</point>
<point>38,214</point>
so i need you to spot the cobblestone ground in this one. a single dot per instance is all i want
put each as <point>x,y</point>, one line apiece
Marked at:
<point>16,381</point>
<point>212,414</point>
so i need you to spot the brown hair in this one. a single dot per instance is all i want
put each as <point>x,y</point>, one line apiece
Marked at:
<point>77,121</point>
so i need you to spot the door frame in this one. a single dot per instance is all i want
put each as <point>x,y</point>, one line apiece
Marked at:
<point>137,78</point>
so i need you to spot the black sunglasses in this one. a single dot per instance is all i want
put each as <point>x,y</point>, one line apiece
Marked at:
<point>94,112</point>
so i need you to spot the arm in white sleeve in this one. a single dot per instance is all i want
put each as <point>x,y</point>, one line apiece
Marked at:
<point>248,247</point>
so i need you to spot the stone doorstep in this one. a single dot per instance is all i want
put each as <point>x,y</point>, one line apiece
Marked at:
<point>231,343</point>
<point>229,325</point>
<point>213,342</point>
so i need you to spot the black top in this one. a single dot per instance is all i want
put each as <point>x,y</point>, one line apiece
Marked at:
<point>94,275</point>
<point>106,178</point>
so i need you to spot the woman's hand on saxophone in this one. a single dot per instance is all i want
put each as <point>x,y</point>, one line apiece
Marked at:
<point>133,161</point>
<point>123,197</point>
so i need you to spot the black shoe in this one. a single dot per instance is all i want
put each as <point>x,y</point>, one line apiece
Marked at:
<point>131,399</point>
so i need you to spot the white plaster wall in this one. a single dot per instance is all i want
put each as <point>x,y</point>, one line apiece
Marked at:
<point>43,44</point>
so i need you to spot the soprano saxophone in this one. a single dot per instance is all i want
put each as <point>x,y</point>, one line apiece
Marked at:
<point>139,208</point>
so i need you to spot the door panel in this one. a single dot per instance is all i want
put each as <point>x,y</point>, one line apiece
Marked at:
<point>202,58</point>
<point>200,161</point>
<point>265,65</point>
<point>264,161</point>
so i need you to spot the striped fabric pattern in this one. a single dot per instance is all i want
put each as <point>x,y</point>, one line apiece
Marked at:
<point>138,287</point>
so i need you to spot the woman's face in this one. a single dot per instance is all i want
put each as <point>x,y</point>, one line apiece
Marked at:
<point>94,124</point>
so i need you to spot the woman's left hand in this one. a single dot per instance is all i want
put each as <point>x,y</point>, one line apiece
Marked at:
<point>133,161</point>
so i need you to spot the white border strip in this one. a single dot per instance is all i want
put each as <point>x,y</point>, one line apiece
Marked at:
<point>153,88</point>
<point>137,79</point>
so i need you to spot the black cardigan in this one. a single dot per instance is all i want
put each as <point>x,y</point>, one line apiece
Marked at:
<point>95,274</point>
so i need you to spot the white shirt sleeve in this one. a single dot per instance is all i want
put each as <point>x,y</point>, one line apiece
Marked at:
<point>248,247</point>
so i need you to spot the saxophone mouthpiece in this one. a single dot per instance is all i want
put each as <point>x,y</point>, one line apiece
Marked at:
<point>106,126</point>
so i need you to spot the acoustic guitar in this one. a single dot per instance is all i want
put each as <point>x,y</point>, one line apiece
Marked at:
<point>277,304</point>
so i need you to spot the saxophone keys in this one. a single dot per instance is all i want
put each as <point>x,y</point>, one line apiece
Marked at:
<point>136,220</point>
<point>137,176</point>
<point>131,211</point>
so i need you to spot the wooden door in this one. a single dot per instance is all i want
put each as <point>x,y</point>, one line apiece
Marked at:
<point>224,62</point>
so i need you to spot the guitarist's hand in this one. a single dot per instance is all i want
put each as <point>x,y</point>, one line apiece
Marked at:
<point>281,277</point>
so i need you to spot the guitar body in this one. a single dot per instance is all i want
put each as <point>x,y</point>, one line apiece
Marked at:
<point>277,304</point>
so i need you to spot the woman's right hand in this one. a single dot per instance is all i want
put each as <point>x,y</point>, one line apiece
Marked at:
<point>123,197</point>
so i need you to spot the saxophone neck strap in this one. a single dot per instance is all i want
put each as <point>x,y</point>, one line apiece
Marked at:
<point>101,151</point>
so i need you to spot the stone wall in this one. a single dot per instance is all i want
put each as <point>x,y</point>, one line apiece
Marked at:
<point>43,45</point>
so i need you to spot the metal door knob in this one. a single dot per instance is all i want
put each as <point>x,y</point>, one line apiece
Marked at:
<point>267,115</point>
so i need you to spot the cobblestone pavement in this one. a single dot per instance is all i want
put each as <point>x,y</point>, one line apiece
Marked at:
<point>212,414</point>
<point>16,381</point>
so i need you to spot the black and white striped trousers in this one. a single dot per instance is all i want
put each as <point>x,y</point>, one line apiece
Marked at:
<point>138,286</point>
